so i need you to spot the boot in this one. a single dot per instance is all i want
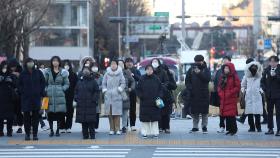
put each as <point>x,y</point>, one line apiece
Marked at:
<point>51,133</point>
<point>27,137</point>
<point>35,137</point>
<point>57,133</point>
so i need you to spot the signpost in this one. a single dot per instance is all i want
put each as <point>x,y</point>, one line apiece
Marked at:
<point>162,14</point>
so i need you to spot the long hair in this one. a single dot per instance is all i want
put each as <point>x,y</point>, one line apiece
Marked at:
<point>53,58</point>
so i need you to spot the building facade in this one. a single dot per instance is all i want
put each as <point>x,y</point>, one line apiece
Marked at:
<point>67,31</point>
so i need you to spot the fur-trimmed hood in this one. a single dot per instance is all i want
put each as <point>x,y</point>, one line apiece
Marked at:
<point>259,72</point>
<point>114,73</point>
<point>63,72</point>
<point>84,59</point>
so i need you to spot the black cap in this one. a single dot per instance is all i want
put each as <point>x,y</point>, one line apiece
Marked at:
<point>249,60</point>
<point>198,58</point>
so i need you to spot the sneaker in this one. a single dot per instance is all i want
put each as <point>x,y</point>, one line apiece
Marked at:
<point>144,136</point>
<point>204,130</point>
<point>19,130</point>
<point>63,131</point>
<point>194,130</point>
<point>45,128</point>
<point>111,133</point>
<point>133,128</point>
<point>269,132</point>
<point>259,130</point>
<point>155,136</point>
<point>160,130</point>
<point>221,130</point>
<point>277,133</point>
<point>167,131</point>
<point>118,133</point>
<point>68,130</point>
<point>189,117</point>
<point>124,130</point>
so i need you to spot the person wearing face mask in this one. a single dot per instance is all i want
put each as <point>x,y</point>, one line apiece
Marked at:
<point>57,84</point>
<point>15,68</point>
<point>31,89</point>
<point>148,90</point>
<point>113,85</point>
<point>86,96</point>
<point>270,83</point>
<point>196,82</point>
<point>98,78</point>
<point>228,90</point>
<point>251,84</point>
<point>66,123</point>
<point>164,80</point>
<point>129,86</point>
<point>7,97</point>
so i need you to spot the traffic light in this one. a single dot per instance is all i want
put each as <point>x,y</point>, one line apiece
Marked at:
<point>273,18</point>
<point>106,62</point>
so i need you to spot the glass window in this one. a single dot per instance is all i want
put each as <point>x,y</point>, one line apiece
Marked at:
<point>61,38</point>
<point>66,14</point>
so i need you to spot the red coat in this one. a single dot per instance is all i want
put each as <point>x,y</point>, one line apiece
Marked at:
<point>229,95</point>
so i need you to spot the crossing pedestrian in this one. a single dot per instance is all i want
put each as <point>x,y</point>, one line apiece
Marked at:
<point>228,90</point>
<point>251,87</point>
<point>31,89</point>
<point>86,96</point>
<point>149,88</point>
<point>113,85</point>
<point>57,83</point>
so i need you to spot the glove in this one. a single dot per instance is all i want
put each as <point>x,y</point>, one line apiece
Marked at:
<point>120,89</point>
<point>104,90</point>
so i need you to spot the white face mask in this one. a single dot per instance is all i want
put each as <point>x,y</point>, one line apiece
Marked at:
<point>86,65</point>
<point>155,65</point>
<point>94,69</point>
<point>4,70</point>
<point>66,67</point>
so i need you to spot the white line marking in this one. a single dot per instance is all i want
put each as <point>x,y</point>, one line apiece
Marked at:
<point>51,153</point>
<point>16,150</point>
<point>229,151</point>
<point>64,156</point>
<point>269,149</point>
<point>227,155</point>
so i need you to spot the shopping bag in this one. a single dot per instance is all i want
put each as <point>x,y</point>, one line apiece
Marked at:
<point>159,103</point>
<point>45,103</point>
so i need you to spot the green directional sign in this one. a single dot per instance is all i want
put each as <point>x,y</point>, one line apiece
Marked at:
<point>164,14</point>
<point>155,27</point>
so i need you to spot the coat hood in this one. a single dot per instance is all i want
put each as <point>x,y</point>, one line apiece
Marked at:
<point>248,72</point>
<point>114,73</point>
<point>231,68</point>
<point>84,59</point>
<point>63,72</point>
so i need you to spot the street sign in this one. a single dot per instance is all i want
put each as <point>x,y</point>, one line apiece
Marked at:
<point>155,27</point>
<point>267,44</point>
<point>163,14</point>
<point>260,44</point>
<point>132,39</point>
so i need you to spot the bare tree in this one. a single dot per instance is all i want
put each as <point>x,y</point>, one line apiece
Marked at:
<point>18,19</point>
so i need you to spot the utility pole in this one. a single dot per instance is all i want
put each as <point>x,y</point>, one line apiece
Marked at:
<point>183,22</point>
<point>127,48</point>
<point>119,29</point>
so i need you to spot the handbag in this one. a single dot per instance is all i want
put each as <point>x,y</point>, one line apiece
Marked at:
<point>159,103</point>
<point>45,103</point>
<point>242,100</point>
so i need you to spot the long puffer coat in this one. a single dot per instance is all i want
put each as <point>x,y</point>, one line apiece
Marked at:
<point>86,96</point>
<point>130,83</point>
<point>252,86</point>
<point>229,94</point>
<point>56,90</point>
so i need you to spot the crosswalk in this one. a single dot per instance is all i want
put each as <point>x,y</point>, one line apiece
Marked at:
<point>64,153</point>
<point>217,152</point>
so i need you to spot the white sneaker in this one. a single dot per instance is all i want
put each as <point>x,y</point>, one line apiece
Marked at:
<point>68,130</point>
<point>118,133</point>
<point>133,128</point>
<point>221,130</point>
<point>188,117</point>
<point>63,131</point>
<point>111,133</point>
<point>45,128</point>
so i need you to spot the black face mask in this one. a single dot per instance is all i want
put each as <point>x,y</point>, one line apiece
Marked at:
<point>253,69</point>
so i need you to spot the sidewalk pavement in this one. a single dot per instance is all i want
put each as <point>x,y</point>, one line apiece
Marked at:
<point>179,136</point>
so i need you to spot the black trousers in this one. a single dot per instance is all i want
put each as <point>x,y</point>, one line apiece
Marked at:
<point>96,125</point>
<point>164,122</point>
<point>264,110</point>
<point>88,129</point>
<point>254,124</point>
<point>19,116</point>
<point>231,125</point>
<point>271,103</point>
<point>9,125</point>
<point>132,111</point>
<point>222,122</point>
<point>67,121</point>
<point>31,119</point>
